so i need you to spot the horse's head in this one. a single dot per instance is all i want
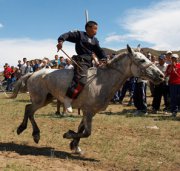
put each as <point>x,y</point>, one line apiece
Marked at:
<point>143,67</point>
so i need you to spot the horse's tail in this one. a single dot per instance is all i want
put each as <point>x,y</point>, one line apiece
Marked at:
<point>20,85</point>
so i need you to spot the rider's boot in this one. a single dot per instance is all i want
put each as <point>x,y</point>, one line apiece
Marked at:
<point>72,93</point>
<point>67,104</point>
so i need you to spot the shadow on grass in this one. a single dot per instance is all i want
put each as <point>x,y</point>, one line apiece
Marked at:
<point>123,112</point>
<point>129,113</point>
<point>41,151</point>
<point>162,118</point>
<point>156,117</point>
<point>67,116</point>
<point>22,101</point>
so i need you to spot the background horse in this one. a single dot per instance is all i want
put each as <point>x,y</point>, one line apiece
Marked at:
<point>102,84</point>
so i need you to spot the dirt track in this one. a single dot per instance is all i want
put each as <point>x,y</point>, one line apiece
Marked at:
<point>23,157</point>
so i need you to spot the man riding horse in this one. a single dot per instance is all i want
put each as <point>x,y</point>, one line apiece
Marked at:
<point>86,45</point>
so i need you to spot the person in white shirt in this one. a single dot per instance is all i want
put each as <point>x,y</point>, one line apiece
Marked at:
<point>23,67</point>
<point>44,64</point>
<point>68,64</point>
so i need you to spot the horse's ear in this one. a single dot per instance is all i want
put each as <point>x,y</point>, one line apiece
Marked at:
<point>139,48</point>
<point>130,50</point>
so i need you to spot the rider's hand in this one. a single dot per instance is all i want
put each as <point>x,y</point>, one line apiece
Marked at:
<point>59,46</point>
<point>95,59</point>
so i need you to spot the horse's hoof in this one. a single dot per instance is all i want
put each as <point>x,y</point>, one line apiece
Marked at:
<point>78,151</point>
<point>36,138</point>
<point>69,134</point>
<point>20,129</point>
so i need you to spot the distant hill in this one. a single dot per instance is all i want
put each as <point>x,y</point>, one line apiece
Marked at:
<point>109,51</point>
<point>145,50</point>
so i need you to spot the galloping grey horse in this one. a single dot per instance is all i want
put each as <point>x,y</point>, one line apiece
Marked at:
<point>103,82</point>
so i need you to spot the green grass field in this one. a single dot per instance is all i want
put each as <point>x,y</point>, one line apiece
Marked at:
<point>119,140</point>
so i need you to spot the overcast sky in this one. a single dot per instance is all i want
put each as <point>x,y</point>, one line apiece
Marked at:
<point>31,28</point>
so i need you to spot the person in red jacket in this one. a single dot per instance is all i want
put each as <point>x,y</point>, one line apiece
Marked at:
<point>173,72</point>
<point>7,75</point>
<point>7,71</point>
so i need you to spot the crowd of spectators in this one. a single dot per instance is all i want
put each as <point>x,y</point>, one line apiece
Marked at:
<point>13,73</point>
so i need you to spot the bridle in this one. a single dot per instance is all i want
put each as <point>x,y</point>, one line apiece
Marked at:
<point>142,68</point>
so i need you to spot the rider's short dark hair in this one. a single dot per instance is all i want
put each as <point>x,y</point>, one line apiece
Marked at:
<point>90,24</point>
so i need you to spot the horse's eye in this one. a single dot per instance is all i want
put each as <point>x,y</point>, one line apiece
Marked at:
<point>142,61</point>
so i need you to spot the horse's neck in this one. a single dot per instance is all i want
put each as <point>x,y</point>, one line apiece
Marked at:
<point>116,75</point>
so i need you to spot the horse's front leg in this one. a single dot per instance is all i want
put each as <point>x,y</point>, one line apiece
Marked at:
<point>58,107</point>
<point>84,130</point>
<point>74,145</point>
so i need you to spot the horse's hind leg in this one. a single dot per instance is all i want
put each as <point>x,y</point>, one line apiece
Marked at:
<point>23,125</point>
<point>36,131</point>
<point>75,142</point>
<point>34,107</point>
<point>29,113</point>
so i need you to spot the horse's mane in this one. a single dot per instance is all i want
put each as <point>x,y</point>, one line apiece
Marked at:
<point>116,58</point>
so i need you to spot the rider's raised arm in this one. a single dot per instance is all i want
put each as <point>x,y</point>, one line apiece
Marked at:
<point>72,36</point>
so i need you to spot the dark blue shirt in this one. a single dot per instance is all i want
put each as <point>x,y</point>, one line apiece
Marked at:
<point>84,44</point>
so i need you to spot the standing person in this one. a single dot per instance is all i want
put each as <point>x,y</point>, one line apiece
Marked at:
<point>168,57</point>
<point>17,73</point>
<point>49,63</point>
<point>7,75</point>
<point>128,86</point>
<point>173,71</point>
<point>153,59</point>
<point>68,64</point>
<point>44,64</point>
<point>36,66</point>
<point>62,63</point>
<point>152,85</point>
<point>56,60</point>
<point>85,44</point>
<point>168,61</point>
<point>161,89</point>
<point>139,96</point>
<point>28,68</point>
<point>23,66</point>
<point>13,78</point>
<point>7,72</point>
<point>19,64</point>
